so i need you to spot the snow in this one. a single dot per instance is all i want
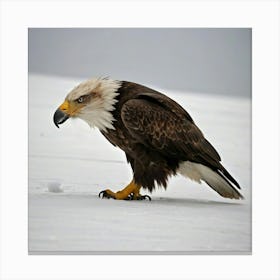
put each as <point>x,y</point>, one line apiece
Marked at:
<point>55,187</point>
<point>69,166</point>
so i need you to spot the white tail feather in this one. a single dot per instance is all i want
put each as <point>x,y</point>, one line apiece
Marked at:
<point>198,172</point>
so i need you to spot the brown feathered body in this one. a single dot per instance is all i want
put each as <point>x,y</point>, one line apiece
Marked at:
<point>157,135</point>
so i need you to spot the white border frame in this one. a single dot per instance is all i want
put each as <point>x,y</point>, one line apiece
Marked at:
<point>262,16</point>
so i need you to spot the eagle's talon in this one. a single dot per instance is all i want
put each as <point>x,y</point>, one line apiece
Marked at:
<point>101,194</point>
<point>105,194</point>
<point>129,197</point>
<point>144,197</point>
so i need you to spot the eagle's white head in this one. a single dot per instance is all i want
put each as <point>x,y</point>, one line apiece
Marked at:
<point>92,101</point>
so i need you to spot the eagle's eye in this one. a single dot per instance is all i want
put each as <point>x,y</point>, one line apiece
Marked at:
<point>80,99</point>
<point>83,99</point>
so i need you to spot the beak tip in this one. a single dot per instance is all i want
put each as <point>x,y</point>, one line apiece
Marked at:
<point>59,117</point>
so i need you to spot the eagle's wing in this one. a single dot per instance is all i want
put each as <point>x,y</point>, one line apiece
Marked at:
<point>160,123</point>
<point>168,128</point>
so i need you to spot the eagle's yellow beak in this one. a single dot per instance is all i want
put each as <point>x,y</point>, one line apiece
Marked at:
<point>61,114</point>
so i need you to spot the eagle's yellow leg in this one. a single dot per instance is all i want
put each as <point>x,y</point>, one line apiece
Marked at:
<point>131,191</point>
<point>124,193</point>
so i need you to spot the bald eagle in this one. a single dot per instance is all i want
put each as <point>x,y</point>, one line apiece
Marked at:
<point>158,136</point>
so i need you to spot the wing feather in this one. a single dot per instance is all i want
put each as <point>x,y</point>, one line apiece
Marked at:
<point>168,129</point>
<point>163,125</point>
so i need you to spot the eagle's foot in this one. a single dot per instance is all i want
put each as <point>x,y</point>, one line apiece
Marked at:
<point>109,194</point>
<point>105,194</point>
<point>130,192</point>
<point>143,197</point>
<point>133,196</point>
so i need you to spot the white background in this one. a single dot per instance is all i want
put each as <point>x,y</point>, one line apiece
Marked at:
<point>262,16</point>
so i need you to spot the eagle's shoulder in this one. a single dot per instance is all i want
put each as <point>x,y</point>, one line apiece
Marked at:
<point>130,90</point>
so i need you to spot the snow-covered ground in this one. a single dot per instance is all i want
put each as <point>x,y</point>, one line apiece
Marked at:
<point>69,166</point>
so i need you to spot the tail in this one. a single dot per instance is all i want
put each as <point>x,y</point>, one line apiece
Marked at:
<point>215,179</point>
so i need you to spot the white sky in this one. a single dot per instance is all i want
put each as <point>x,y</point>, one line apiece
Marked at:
<point>209,60</point>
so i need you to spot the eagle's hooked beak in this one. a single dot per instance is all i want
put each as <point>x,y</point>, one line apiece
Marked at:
<point>61,114</point>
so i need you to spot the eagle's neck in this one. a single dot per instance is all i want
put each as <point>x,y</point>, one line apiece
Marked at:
<point>100,112</point>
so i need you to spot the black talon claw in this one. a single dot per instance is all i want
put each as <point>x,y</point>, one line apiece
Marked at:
<point>130,197</point>
<point>139,197</point>
<point>101,194</point>
<point>104,194</point>
<point>143,197</point>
